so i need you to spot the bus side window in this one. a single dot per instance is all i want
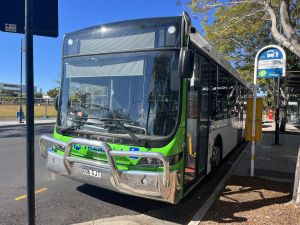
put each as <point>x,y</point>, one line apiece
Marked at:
<point>213,91</point>
<point>222,100</point>
<point>193,85</point>
<point>231,95</point>
<point>204,87</point>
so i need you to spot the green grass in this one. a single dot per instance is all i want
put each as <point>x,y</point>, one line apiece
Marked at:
<point>39,110</point>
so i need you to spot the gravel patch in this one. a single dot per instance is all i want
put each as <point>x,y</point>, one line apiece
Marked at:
<point>246,200</point>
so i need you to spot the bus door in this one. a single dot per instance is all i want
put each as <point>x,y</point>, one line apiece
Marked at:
<point>191,154</point>
<point>197,121</point>
<point>203,124</point>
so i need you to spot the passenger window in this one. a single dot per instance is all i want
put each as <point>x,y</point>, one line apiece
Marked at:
<point>238,104</point>
<point>204,81</point>
<point>222,100</point>
<point>193,86</point>
<point>213,91</point>
<point>231,95</point>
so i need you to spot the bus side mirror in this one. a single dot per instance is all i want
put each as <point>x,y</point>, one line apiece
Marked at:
<point>186,63</point>
<point>56,102</point>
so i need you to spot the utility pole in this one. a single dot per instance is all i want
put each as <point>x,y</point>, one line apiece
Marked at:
<point>21,81</point>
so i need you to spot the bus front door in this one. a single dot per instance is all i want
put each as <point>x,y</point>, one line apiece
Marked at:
<point>197,122</point>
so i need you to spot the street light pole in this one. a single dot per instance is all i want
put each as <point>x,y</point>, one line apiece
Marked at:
<point>21,81</point>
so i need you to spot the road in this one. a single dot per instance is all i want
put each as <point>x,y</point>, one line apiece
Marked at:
<point>63,201</point>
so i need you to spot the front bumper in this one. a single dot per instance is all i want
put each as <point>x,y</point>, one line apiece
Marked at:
<point>163,186</point>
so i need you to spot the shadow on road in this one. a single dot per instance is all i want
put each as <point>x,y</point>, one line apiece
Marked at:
<point>180,213</point>
<point>156,209</point>
<point>244,197</point>
<point>20,131</point>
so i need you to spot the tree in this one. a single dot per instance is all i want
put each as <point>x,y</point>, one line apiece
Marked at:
<point>38,94</point>
<point>53,92</point>
<point>9,93</point>
<point>280,13</point>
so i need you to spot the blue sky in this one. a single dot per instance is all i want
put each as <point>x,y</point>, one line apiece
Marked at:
<point>74,15</point>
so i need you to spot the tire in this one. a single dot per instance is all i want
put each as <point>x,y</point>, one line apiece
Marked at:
<point>216,157</point>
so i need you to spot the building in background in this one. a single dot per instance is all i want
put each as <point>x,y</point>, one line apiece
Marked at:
<point>14,89</point>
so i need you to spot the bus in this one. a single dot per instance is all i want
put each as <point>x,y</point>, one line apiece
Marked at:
<point>146,107</point>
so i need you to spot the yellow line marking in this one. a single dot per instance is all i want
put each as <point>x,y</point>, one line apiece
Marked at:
<point>36,192</point>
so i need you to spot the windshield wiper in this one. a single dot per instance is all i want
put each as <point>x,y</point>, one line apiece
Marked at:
<point>135,127</point>
<point>134,137</point>
<point>73,127</point>
<point>116,121</point>
<point>77,125</point>
<point>121,125</point>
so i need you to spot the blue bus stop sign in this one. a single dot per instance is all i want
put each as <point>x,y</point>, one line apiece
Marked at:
<point>43,18</point>
<point>271,63</point>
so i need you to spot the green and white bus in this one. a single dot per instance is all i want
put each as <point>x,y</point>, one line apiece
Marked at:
<point>146,107</point>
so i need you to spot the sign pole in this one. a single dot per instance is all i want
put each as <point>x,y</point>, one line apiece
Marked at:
<point>277,113</point>
<point>270,62</point>
<point>29,114</point>
<point>253,117</point>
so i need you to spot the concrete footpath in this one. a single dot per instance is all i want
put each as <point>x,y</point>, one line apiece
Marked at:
<point>13,123</point>
<point>275,162</point>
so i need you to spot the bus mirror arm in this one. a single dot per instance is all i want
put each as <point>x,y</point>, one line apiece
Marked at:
<point>186,63</point>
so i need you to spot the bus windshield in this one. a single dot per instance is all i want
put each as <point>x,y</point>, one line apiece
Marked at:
<point>140,90</point>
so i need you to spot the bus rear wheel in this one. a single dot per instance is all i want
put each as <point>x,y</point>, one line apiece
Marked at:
<point>216,157</point>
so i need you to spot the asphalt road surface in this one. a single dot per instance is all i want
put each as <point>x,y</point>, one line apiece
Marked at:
<point>63,201</point>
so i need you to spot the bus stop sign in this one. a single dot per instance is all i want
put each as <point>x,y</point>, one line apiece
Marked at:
<point>271,62</point>
<point>43,18</point>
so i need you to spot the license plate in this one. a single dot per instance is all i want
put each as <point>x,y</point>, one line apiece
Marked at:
<point>92,172</point>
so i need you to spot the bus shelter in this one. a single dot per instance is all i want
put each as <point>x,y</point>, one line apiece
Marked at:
<point>292,82</point>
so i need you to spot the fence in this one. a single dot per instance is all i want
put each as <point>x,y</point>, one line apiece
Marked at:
<point>16,101</point>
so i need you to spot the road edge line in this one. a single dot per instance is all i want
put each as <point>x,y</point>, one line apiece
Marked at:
<point>199,215</point>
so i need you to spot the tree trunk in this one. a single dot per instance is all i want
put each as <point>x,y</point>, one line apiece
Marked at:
<point>287,26</point>
<point>279,37</point>
<point>284,118</point>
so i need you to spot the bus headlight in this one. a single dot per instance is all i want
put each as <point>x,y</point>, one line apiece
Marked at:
<point>153,162</point>
<point>150,162</point>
